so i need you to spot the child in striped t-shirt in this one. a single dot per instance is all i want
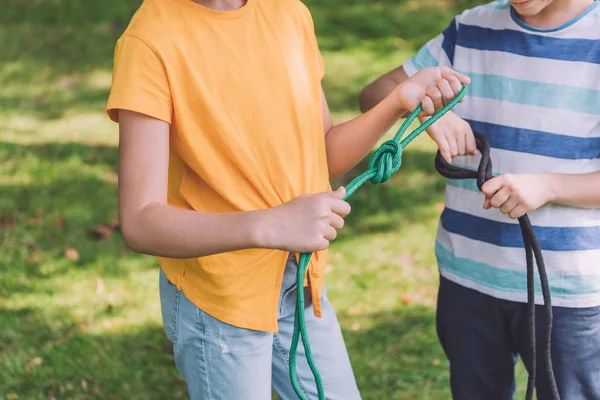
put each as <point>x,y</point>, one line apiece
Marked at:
<point>535,95</point>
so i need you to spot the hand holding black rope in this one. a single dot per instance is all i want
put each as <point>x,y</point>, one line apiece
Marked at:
<point>532,249</point>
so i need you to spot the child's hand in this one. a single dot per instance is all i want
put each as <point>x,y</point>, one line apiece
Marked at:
<point>516,195</point>
<point>307,223</point>
<point>453,136</point>
<point>431,87</point>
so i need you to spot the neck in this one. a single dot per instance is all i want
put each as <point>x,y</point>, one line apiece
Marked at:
<point>222,5</point>
<point>557,13</point>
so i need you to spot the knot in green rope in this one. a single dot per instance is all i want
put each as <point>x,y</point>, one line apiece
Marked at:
<point>386,161</point>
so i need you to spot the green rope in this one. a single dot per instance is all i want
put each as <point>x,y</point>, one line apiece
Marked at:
<point>385,162</point>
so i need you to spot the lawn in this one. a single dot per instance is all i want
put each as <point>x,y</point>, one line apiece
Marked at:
<point>79,312</point>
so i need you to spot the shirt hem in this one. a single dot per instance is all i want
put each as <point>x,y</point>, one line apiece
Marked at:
<point>139,105</point>
<point>521,297</point>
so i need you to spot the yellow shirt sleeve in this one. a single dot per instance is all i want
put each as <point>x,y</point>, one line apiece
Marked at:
<point>140,81</point>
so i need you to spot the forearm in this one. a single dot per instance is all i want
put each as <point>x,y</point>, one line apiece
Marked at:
<point>379,89</point>
<point>350,142</point>
<point>580,190</point>
<point>165,231</point>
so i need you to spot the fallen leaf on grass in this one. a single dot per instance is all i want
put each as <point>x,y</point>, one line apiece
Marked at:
<point>102,232</point>
<point>115,225</point>
<point>72,254</point>
<point>436,362</point>
<point>34,221</point>
<point>59,222</point>
<point>33,363</point>
<point>12,396</point>
<point>6,222</point>
<point>406,299</point>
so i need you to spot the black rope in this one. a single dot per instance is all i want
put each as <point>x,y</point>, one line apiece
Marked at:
<point>532,250</point>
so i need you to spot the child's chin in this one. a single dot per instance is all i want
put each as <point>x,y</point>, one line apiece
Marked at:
<point>527,8</point>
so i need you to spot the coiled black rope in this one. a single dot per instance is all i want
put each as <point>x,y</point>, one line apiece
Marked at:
<point>532,249</point>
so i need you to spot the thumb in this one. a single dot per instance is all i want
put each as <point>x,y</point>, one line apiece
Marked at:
<point>339,193</point>
<point>487,204</point>
<point>446,155</point>
<point>444,149</point>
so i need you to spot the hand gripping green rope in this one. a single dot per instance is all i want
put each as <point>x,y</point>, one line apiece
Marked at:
<point>385,162</point>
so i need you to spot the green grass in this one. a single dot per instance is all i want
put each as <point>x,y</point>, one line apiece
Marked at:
<point>79,312</point>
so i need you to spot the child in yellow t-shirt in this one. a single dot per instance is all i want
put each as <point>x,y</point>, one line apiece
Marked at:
<point>226,152</point>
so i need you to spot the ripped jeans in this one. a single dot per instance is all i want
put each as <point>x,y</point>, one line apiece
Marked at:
<point>220,361</point>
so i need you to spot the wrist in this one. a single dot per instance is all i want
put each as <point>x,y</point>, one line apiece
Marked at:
<point>552,190</point>
<point>262,231</point>
<point>398,101</point>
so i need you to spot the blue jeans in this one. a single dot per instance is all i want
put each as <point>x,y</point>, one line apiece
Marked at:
<point>220,361</point>
<point>483,336</point>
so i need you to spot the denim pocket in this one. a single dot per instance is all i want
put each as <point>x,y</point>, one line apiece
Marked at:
<point>169,306</point>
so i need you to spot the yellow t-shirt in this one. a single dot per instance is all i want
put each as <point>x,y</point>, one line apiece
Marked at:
<point>241,92</point>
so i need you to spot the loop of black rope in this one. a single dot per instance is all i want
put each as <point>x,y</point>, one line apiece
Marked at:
<point>532,250</point>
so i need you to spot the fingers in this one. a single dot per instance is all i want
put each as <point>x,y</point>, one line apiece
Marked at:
<point>509,205</point>
<point>453,145</point>
<point>518,212</point>
<point>340,193</point>
<point>323,244</point>
<point>445,150</point>
<point>446,90</point>
<point>498,199</point>
<point>435,94</point>
<point>442,93</point>
<point>340,207</point>
<point>461,145</point>
<point>329,233</point>
<point>501,193</point>
<point>493,185</point>
<point>455,84</point>
<point>336,222</point>
<point>447,73</point>
<point>486,204</point>
<point>427,104</point>
<point>471,144</point>
<point>337,203</point>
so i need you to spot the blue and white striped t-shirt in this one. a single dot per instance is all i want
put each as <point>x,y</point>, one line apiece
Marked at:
<point>535,95</point>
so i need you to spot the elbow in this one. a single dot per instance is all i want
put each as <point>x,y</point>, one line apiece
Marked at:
<point>366,98</point>
<point>132,238</point>
<point>132,234</point>
<point>333,167</point>
<point>363,100</point>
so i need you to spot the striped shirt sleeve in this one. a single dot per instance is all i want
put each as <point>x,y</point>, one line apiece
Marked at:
<point>439,51</point>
